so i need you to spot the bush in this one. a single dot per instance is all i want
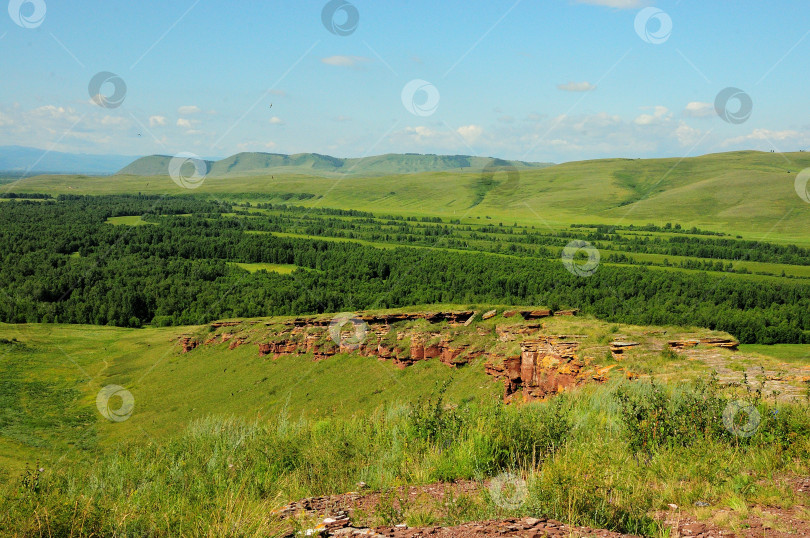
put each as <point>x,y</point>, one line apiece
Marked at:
<point>653,417</point>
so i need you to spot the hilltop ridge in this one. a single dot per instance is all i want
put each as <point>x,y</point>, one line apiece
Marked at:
<point>254,163</point>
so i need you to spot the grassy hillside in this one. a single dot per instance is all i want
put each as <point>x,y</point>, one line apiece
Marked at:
<point>53,373</point>
<point>219,439</point>
<point>253,164</point>
<point>747,193</point>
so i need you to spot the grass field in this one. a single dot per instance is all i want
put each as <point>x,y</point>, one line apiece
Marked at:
<point>787,353</point>
<point>283,269</point>
<point>130,220</point>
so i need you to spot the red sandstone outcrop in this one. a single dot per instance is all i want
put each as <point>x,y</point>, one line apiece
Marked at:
<point>618,348</point>
<point>720,342</point>
<point>546,365</point>
<point>218,324</point>
<point>187,343</point>
<point>724,343</point>
<point>236,342</point>
<point>682,344</point>
<point>387,319</point>
<point>535,314</point>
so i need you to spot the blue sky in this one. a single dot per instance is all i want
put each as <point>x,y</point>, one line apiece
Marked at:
<point>544,80</point>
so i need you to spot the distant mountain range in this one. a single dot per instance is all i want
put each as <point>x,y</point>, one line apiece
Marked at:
<point>251,164</point>
<point>18,160</point>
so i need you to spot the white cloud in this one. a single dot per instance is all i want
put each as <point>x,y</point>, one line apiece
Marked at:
<point>113,121</point>
<point>345,61</point>
<point>767,140</point>
<point>55,112</point>
<point>275,120</point>
<point>5,120</point>
<point>618,4</point>
<point>187,110</point>
<point>343,118</point>
<point>470,133</point>
<point>155,121</point>
<point>182,122</point>
<point>696,109</point>
<point>576,87</point>
<point>687,136</point>
<point>255,145</point>
<point>659,113</point>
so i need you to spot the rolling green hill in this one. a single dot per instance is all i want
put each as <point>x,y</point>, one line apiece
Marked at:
<point>252,164</point>
<point>747,193</point>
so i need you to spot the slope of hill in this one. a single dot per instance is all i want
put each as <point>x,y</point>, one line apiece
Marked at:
<point>225,436</point>
<point>262,367</point>
<point>253,164</point>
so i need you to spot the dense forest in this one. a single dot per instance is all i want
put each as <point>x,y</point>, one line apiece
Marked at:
<point>61,261</point>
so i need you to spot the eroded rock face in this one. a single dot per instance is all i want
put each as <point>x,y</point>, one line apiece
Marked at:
<point>546,365</point>
<point>187,343</point>
<point>549,366</point>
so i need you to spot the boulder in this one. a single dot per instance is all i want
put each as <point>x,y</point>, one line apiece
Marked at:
<point>724,343</point>
<point>617,349</point>
<point>535,314</point>
<point>682,344</point>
